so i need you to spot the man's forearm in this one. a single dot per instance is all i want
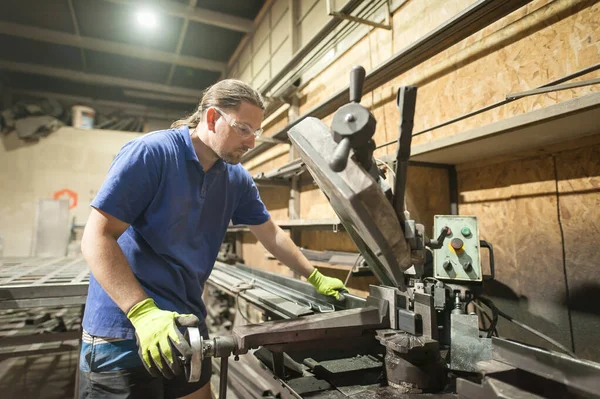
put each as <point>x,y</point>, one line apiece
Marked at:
<point>111,269</point>
<point>284,249</point>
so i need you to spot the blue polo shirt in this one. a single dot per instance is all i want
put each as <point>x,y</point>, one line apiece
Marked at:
<point>178,215</point>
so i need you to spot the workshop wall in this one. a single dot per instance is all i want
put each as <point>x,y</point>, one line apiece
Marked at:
<point>537,208</point>
<point>541,215</point>
<point>69,158</point>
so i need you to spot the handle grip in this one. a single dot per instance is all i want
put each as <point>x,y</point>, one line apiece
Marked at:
<point>485,244</point>
<point>340,156</point>
<point>357,80</point>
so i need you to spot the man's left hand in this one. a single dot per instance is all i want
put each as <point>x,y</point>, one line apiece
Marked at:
<point>326,285</point>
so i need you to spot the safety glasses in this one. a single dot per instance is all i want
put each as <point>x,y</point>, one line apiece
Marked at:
<point>243,129</point>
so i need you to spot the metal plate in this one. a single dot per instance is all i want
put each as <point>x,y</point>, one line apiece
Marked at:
<point>366,214</point>
<point>193,365</point>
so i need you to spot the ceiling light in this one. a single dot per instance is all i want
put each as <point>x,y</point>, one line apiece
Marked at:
<point>146,18</point>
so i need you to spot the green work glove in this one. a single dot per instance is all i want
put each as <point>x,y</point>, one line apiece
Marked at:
<point>326,285</point>
<point>157,333</point>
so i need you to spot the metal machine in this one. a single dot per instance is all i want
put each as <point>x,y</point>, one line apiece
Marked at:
<point>416,333</point>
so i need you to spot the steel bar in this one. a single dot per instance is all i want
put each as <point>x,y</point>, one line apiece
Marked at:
<point>350,323</point>
<point>296,285</point>
<point>223,377</point>
<point>360,20</point>
<point>41,302</point>
<point>281,290</point>
<point>37,352</point>
<point>227,283</point>
<point>32,291</point>
<point>39,338</point>
<point>548,89</point>
<point>579,374</point>
<point>474,18</point>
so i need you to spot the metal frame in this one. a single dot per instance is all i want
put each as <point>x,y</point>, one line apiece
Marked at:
<point>342,15</point>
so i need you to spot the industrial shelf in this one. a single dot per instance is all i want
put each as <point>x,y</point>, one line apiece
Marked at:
<point>564,121</point>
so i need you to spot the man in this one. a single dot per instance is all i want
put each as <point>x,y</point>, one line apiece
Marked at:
<point>152,238</point>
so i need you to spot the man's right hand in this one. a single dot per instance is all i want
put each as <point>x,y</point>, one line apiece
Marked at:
<point>156,333</point>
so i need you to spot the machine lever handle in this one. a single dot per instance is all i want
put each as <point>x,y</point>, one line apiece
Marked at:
<point>357,80</point>
<point>485,244</point>
<point>340,155</point>
<point>439,242</point>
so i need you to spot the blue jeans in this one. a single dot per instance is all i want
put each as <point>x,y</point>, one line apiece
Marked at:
<point>112,368</point>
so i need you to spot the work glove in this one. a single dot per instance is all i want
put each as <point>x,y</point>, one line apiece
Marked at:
<point>326,285</point>
<point>157,333</point>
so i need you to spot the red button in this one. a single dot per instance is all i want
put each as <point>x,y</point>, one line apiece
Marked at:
<point>456,244</point>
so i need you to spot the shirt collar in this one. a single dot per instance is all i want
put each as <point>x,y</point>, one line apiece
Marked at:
<point>190,152</point>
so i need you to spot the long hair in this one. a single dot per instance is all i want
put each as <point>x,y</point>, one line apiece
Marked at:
<point>227,94</point>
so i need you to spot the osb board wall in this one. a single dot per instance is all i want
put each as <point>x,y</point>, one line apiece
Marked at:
<point>579,197</point>
<point>70,158</point>
<point>538,43</point>
<point>531,210</point>
<point>314,204</point>
<point>276,199</point>
<point>427,195</point>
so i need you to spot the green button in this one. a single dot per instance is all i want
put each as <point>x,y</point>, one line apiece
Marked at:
<point>466,231</point>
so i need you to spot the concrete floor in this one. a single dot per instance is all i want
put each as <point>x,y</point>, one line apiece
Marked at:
<point>48,376</point>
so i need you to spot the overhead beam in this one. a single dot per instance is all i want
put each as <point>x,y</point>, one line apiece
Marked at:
<point>124,107</point>
<point>182,34</point>
<point>161,97</point>
<point>67,39</point>
<point>94,79</point>
<point>208,17</point>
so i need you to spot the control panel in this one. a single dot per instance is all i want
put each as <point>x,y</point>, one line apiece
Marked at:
<point>458,259</point>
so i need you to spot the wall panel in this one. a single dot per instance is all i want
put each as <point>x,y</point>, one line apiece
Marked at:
<point>75,159</point>
<point>516,205</point>
<point>579,195</point>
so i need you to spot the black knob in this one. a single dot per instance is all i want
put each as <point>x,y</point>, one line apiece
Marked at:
<point>357,79</point>
<point>468,266</point>
<point>447,265</point>
<point>340,155</point>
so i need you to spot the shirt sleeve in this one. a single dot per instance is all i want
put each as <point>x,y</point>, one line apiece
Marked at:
<point>131,183</point>
<point>250,209</point>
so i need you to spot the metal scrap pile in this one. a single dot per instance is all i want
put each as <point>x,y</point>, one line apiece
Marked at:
<point>32,121</point>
